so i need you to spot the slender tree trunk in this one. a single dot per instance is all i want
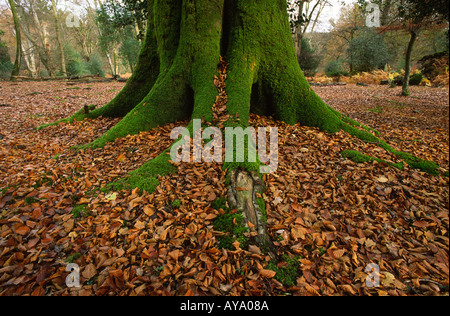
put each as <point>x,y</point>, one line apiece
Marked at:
<point>405,89</point>
<point>18,60</point>
<point>58,37</point>
<point>29,57</point>
<point>110,63</point>
<point>299,30</point>
<point>44,45</point>
<point>116,70</point>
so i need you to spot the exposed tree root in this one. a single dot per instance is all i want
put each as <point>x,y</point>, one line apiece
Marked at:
<point>242,195</point>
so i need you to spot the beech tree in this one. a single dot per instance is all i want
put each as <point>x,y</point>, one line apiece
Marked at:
<point>187,42</point>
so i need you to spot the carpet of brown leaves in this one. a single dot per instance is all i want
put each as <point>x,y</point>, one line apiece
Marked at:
<point>335,215</point>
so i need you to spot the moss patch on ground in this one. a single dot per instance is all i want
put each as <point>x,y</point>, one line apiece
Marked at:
<point>230,222</point>
<point>262,206</point>
<point>81,210</point>
<point>287,269</point>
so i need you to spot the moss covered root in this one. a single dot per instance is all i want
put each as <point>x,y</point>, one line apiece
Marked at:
<point>358,157</point>
<point>413,161</point>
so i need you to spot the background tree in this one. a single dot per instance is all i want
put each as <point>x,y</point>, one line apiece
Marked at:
<point>309,59</point>
<point>413,16</point>
<point>303,16</point>
<point>344,30</point>
<point>119,25</point>
<point>334,69</point>
<point>129,48</point>
<point>87,33</point>
<point>18,61</point>
<point>59,38</point>
<point>35,20</point>
<point>416,15</point>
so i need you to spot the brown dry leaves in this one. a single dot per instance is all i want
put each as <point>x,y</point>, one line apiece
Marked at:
<point>336,215</point>
<point>340,216</point>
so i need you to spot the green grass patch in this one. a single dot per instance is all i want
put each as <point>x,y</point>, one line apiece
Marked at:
<point>45,180</point>
<point>232,223</point>
<point>377,110</point>
<point>81,210</point>
<point>287,269</point>
<point>30,200</point>
<point>74,257</point>
<point>176,204</point>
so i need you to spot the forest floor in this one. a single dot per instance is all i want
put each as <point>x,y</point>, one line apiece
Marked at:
<point>329,217</point>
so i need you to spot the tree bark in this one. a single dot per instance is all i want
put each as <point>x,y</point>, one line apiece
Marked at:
<point>405,88</point>
<point>58,38</point>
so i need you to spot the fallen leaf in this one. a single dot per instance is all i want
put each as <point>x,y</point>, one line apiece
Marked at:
<point>254,249</point>
<point>148,210</point>
<point>388,279</point>
<point>421,224</point>
<point>68,226</point>
<point>22,230</point>
<point>267,273</point>
<point>112,196</point>
<point>89,271</point>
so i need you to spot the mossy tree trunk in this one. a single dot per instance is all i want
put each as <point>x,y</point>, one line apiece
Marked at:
<point>174,80</point>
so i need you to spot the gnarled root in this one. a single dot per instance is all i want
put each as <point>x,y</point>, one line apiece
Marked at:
<point>242,196</point>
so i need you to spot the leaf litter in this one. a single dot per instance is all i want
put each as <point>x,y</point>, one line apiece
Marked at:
<point>333,216</point>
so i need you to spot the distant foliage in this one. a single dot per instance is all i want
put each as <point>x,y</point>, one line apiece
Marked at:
<point>5,60</point>
<point>77,66</point>
<point>416,79</point>
<point>335,69</point>
<point>95,66</point>
<point>309,60</point>
<point>368,52</point>
<point>130,48</point>
<point>74,62</point>
<point>434,65</point>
